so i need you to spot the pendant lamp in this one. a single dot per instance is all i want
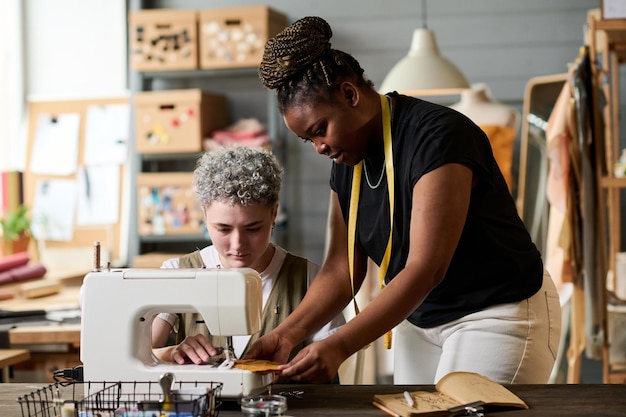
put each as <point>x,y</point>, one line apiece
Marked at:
<point>424,71</point>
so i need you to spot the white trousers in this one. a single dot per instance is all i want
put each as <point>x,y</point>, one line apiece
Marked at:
<point>509,343</point>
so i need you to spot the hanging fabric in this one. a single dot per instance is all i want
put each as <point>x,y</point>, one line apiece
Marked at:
<point>593,279</point>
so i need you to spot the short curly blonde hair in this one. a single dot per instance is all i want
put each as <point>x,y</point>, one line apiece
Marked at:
<point>238,175</point>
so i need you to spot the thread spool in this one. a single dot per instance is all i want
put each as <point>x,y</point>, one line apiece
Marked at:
<point>96,256</point>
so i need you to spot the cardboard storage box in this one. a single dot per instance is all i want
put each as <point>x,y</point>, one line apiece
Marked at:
<point>163,40</point>
<point>176,121</point>
<point>167,204</point>
<point>234,37</point>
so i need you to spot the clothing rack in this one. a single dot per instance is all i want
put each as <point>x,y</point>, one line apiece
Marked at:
<point>606,39</point>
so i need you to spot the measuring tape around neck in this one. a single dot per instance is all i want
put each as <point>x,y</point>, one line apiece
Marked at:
<point>354,206</point>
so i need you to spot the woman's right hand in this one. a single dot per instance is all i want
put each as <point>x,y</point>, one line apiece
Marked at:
<point>194,349</point>
<point>272,346</point>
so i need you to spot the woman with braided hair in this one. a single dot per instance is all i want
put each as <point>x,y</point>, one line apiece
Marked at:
<point>415,187</point>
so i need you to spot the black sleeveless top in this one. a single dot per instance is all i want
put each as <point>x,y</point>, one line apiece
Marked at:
<point>495,261</point>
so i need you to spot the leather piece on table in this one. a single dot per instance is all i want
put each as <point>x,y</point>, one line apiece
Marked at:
<point>39,289</point>
<point>257,365</point>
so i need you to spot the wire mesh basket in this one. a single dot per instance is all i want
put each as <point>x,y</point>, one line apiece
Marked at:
<point>122,399</point>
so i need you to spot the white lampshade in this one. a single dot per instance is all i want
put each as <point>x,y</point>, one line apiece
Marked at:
<point>424,71</point>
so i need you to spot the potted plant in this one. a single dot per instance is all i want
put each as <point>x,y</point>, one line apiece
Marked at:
<point>15,227</point>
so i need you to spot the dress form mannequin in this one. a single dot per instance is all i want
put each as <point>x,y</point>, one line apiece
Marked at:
<point>499,121</point>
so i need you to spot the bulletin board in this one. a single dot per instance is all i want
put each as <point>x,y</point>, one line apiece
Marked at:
<point>84,233</point>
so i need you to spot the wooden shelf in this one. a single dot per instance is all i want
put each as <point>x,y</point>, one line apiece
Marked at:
<point>612,182</point>
<point>201,73</point>
<point>607,45</point>
<point>197,237</point>
<point>615,32</point>
<point>249,100</point>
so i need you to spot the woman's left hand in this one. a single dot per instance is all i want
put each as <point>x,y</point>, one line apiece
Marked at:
<point>317,363</point>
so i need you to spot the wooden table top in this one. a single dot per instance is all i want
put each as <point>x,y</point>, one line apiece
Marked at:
<point>46,334</point>
<point>10,357</point>
<point>67,298</point>
<point>356,400</point>
<point>29,333</point>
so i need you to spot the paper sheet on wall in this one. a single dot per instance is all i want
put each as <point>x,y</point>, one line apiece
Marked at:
<point>106,134</point>
<point>53,210</point>
<point>98,195</point>
<point>55,148</point>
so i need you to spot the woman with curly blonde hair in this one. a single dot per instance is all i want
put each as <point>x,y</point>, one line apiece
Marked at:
<point>238,189</point>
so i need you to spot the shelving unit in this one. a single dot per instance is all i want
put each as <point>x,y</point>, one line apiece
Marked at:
<point>607,47</point>
<point>246,98</point>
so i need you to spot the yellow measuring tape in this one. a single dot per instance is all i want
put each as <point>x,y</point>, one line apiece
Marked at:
<point>354,206</point>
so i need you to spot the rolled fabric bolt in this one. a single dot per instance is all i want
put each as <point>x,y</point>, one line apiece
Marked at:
<point>41,288</point>
<point>7,293</point>
<point>13,260</point>
<point>6,277</point>
<point>30,271</point>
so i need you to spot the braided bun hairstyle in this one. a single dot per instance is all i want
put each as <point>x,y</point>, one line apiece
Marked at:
<point>300,64</point>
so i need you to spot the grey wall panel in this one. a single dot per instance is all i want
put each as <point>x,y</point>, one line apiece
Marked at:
<point>502,43</point>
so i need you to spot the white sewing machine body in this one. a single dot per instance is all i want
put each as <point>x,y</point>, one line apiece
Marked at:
<point>118,307</point>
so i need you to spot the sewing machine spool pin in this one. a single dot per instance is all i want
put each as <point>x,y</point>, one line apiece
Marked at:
<point>96,256</point>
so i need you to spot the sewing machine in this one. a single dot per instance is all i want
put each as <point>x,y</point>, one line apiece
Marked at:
<point>118,307</point>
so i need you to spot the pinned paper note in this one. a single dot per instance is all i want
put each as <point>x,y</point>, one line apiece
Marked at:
<point>53,210</point>
<point>55,149</point>
<point>107,129</point>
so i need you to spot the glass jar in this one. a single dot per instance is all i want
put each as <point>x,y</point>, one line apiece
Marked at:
<point>264,405</point>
